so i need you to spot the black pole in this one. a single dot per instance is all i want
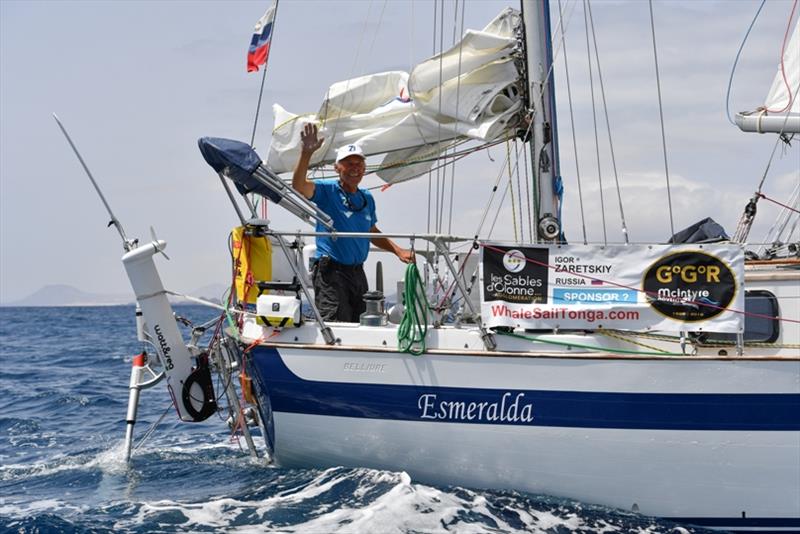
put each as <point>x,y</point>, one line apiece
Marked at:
<point>258,107</point>
<point>263,78</point>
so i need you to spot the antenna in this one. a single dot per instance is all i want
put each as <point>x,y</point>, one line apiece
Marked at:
<point>127,244</point>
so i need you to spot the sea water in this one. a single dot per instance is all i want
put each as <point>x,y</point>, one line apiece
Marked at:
<point>64,390</point>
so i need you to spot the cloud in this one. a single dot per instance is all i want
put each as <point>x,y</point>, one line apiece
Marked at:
<point>135,110</point>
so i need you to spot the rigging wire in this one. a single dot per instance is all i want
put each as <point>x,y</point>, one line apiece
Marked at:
<point>454,158</point>
<point>353,67</point>
<point>458,102</point>
<point>497,213</point>
<point>431,199</point>
<point>608,127</point>
<point>253,197</point>
<point>572,123</point>
<point>594,122</point>
<point>439,181</point>
<point>661,116</point>
<point>378,27</point>
<point>511,188</point>
<point>263,78</point>
<point>781,204</point>
<point>492,195</point>
<point>749,214</point>
<point>775,235</point>
<point>736,61</point>
<point>534,204</point>
<point>152,428</point>
<point>519,194</point>
<point>436,201</point>
<point>430,172</point>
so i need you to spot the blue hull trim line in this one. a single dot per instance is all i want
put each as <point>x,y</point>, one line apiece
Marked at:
<point>576,409</point>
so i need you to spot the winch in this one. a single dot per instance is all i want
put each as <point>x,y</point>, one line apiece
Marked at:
<point>375,314</point>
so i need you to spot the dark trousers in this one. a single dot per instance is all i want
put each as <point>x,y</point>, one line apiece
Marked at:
<point>339,290</point>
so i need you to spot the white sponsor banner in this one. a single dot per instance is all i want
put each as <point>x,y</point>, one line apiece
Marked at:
<point>624,287</point>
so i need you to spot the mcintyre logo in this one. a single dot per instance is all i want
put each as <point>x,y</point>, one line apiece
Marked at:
<point>165,350</point>
<point>689,286</point>
<point>504,410</point>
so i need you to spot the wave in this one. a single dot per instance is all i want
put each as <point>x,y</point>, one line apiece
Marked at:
<point>340,500</point>
<point>62,467</point>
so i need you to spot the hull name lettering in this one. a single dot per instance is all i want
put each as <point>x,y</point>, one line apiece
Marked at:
<point>509,408</point>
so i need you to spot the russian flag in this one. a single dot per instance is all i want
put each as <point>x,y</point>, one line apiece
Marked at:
<point>259,45</point>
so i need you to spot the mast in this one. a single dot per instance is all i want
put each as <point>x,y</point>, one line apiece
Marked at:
<point>543,138</point>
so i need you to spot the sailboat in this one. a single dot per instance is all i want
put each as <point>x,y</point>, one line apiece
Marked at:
<point>662,378</point>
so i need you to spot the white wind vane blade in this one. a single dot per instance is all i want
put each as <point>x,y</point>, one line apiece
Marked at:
<point>155,240</point>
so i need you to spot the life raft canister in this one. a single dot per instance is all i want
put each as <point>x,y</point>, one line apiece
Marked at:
<point>252,259</point>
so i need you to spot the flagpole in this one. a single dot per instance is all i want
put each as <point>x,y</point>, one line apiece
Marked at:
<point>253,137</point>
<point>263,78</point>
<point>258,107</point>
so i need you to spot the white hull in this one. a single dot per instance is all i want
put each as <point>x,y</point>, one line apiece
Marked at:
<point>715,461</point>
<point>665,473</point>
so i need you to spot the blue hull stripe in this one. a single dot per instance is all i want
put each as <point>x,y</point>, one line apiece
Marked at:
<point>576,409</point>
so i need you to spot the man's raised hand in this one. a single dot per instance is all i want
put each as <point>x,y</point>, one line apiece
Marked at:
<point>309,139</point>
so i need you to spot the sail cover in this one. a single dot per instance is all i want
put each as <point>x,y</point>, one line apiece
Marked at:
<point>704,231</point>
<point>236,160</point>
<point>470,91</point>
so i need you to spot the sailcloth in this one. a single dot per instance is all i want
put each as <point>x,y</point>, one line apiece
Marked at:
<point>470,91</point>
<point>781,109</point>
<point>782,96</point>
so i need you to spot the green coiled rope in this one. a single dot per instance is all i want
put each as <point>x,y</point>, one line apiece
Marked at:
<point>414,324</point>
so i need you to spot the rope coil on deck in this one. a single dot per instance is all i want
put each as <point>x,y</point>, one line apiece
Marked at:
<point>414,324</point>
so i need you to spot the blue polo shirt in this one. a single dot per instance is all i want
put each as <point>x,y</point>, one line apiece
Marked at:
<point>351,212</point>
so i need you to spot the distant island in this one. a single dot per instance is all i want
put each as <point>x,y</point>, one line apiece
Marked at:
<point>64,295</point>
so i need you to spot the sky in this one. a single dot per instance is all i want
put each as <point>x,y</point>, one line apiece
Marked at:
<point>136,83</point>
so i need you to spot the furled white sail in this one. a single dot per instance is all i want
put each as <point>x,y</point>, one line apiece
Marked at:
<point>781,110</point>
<point>782,96</point>
<point>470,91</point>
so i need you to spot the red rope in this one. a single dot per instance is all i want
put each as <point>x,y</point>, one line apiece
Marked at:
<point>650,293</point>
<point>783,66</point>
<point>453,285</point>
<point>765,197</point>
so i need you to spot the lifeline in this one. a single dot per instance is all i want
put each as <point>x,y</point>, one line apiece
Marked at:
<point>501,411</point>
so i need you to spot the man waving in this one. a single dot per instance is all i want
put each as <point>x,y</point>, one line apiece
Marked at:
<point>339,279</point>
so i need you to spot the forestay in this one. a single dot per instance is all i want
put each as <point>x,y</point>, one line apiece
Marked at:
<point>468,92</point>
